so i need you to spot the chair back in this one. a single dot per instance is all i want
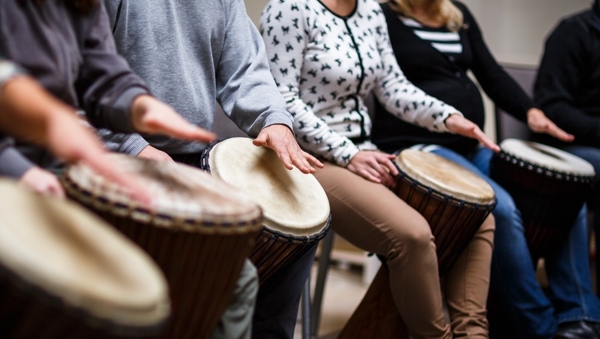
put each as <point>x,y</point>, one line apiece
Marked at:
<point>506,125</point>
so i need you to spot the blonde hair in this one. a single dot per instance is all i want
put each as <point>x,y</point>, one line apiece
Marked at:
<point>444,10</point>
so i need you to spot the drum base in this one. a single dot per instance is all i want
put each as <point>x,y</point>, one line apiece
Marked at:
<point>376,316</point>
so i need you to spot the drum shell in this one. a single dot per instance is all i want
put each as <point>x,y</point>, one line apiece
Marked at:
<point>453,222</point>
<point>275,250</point>
<point>201,267</point>
<point>27,311</point>
<point>549,201</point>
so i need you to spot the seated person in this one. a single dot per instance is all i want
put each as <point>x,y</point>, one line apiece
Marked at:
<point>567,88</point>
<point>193,55</point>
<point>326,57</point>
<point>67,46</point>
<point>436,43</point>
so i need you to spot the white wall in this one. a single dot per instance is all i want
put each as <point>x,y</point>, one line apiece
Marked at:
<point>254,8</point>
<point>515,30</point>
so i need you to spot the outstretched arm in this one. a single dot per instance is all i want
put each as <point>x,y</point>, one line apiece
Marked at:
<point>31,113</point>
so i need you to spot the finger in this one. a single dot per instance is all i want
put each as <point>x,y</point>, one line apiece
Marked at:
<point>367,174</point>
<point>302,164</point>
<point>389,165</point>
<point>285,159</point>
<point>261,140</point>
<point>57,191</point>
<point>130,183</point>
<point>312,160</point>
<point>482,138</point>
<point>558,133</point>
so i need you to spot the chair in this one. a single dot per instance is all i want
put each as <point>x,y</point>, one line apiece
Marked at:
<point>506,125</point>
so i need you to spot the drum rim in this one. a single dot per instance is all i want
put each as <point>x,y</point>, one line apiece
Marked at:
<point>296,239</point>
<point>541,169</point>
<point>267,222</point>
<point>440,196</point>
<point>460,196</point>
<point>99,201</point>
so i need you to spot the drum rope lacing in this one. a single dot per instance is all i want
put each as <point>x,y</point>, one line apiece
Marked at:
<point>147,216</point>
<point>543,170</point>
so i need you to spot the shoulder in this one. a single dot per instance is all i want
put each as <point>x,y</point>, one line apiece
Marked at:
<point>467,15</point>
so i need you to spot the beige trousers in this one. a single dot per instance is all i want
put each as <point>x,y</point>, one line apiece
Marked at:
<point>373,218</point>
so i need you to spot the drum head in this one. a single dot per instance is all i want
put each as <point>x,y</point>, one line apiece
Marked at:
<point>61,249</point>
<point>293,202</point>
<point>547,157</point>
<point>445,176</point>
<point>183,197</point>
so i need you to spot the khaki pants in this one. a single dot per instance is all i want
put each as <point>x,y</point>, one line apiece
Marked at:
<point>373,218</point>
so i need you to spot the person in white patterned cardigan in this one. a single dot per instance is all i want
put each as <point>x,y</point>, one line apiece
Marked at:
<point>326,57</point>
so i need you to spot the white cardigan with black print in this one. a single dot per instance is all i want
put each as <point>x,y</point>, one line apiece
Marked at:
<point>325,66</point>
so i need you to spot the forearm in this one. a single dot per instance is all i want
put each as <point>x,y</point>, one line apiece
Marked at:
<point>26,109</point>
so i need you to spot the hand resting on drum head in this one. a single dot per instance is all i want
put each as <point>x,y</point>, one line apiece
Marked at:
<point>280,139</point>
<point>378,167</point>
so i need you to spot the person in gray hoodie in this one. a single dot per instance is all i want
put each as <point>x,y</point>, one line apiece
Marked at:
<point>192,55</point>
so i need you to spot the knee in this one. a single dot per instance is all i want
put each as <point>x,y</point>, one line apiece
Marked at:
<point>416,237</point>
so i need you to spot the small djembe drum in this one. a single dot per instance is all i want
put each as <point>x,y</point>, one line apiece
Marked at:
<point>295,205</point>
<point>65,273</point>
<point>455,202</point>
<point>548,186</point>
<point>200,231</point>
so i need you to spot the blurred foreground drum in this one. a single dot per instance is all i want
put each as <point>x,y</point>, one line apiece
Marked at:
<point>455,202</point>
<point>549,187</point>
<point>199,230</point>
<point>295,205</point>
<point>65,273</point>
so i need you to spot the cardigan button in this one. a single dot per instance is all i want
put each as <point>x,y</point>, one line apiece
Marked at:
<point>458,74</point>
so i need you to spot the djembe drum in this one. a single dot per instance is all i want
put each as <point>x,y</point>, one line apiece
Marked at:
<point>295,205</point>
<point>548,186</point>
<point>65,273</point>
<point>455,202</point>
<point>199,230</point>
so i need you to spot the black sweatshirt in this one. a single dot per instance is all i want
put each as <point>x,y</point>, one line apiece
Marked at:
<point>568,83</point>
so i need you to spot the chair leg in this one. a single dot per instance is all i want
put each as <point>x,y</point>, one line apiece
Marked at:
<point>324,261</point>
<point>306,316</point>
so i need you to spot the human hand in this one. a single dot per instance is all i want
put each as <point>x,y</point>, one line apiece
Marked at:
<point>281,139</point>
<point>149,115</point>
<point>43,182</point>
<point>458,124</point>
<point>150,152</point>
<point>374,166</point>
<point>539,123</point>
